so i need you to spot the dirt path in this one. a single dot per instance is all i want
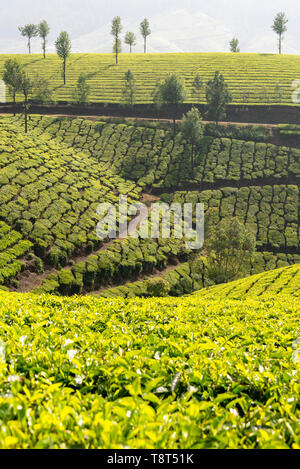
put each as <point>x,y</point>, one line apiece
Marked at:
<point>156,273</point>
<point>149,119</point>
<point>28,280</point>
<point>95,118</point>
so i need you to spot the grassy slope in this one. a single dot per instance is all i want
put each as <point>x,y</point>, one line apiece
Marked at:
<point>252,78</point>
<point>92,373</point>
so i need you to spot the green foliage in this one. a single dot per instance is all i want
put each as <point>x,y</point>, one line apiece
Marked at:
<point>289,130</point>
<point>197,86</point>
<point>192,130</point>
<point>12,76</point>
<point>42,91</point>
<point>82,90</point>
<point>130,39</point>
<point>284,280</point>
<point>145,31</point>
<point>245,74</point>
<point>158,287</point>
<point>234,45</point>
<point>49,194</point>
<point>230,247</point>
<point>63,48</point>
<point>217,97</point>
<point>12,249</point>
<point>279,26</point>
<point>116,29</point>
<point>129,90</point>
<point>43,32</point>
<point>29,31</point>
<point>170,91</point>
<point>105,373</point>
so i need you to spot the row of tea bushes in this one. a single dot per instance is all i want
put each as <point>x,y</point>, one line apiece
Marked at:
<point>121,261</point>
<point>191,276</point>
<point>275,282</point>
<point>270,212</point>
<point>152,157</point>
<point>50,194</point>
<point>12,249</point>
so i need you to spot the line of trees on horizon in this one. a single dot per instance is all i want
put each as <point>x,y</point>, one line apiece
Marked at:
<point>130,37</point>
<point>42,30</point>
<point>279,26</point>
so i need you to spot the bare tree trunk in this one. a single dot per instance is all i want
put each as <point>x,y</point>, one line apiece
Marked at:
<point>14,99</point>
<point>130,48</point>
<point>144,45</point>
<point>29,46</point>
<point>44,48</point>
<point>64,71</point>
<point>116,50</point>
<point>192,157</point>
<point>280,43</point>
<point>26,115</point>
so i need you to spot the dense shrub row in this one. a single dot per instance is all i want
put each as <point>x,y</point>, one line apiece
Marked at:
<point>12,248</point>
<point>271,212</point>
<point>289,130</point>
<point>191,276</point>
<point>50,194</point>
<point>151,157</point>
<point>121,261</point>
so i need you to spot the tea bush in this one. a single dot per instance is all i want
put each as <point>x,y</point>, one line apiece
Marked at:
<point>105,373</point>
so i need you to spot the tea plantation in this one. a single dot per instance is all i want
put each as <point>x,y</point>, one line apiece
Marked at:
<point>154,159</point>
<point>216,368</point>
<point>205,371</point>
<point>252,78</point>
<point>54,178</point>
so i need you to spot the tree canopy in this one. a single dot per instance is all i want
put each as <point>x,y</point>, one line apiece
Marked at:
<point>43,32</point>
<point>279,26</point>
<point>63,48</point>
<point>217,97</point>
<point>170,91</point>
<point>116,29</point>
<point>29,31</point>
<point>130,39</point>
<point>145,31</point>
<point>229,247</point>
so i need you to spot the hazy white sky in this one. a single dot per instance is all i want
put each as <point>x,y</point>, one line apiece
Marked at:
<point>249,21</point>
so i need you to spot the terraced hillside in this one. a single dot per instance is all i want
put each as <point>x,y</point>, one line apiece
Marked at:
<point>50,202</point>
<point>276,282</point>
<point>97,373</point>
<point>153,159</point>
<point>252,78</point>
<point>48,198</point>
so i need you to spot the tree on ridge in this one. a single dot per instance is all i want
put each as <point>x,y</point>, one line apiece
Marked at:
<point>279,26</point>
<point>29,31</point>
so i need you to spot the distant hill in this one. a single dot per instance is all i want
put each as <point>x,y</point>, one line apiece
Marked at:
<point>252,78</point>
